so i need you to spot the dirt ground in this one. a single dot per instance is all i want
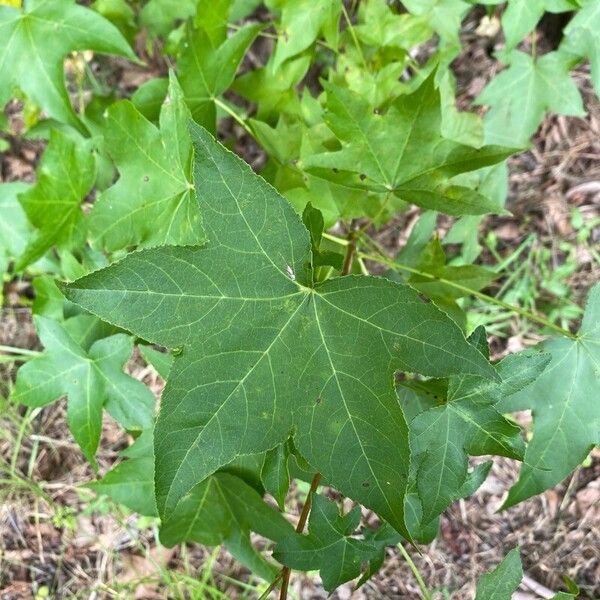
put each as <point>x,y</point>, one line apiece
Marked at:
<point>56,537</point>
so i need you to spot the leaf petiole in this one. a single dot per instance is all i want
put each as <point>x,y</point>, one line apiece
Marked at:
<point>354,38</point>
<point>335,239</point>
<point>18,351</point>
<point>409,561</point>
<point>242,122</point>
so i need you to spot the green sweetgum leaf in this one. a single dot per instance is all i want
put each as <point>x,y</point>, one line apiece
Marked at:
<point>380,26</point>
<point>566,412</point>
<point>440,280</point>
<point>207,67</point>
<point>420,236</point>
<point>119,13</point>
<point>90,380</point>
<point>48,302</point>
<point>460,126</point>
<point>420,169</point>
<point>520,97</point>
<point>223,509</point>
<point>149,97</point>
<point>301,23</point>
<point>53,205</point>
<point>503,581</point>
<point>14,227</point>
<point>34,42</point>
<point>275,474</point>
<point>377,85</point>
<point>131,482</point>
<point>153,202</point>
<point>328,546</point>
<point>212,16</point>
<point>422,263</point>
<point>443,16</point>
<point>161,361</point>
<point>521,16</point>
<point>314,223</point>
<point>273,90</point>
<point>289,141</point>
<point>160,16</point>
<point>226,501</point>
<point>15,230</point>
<point>581,37</point>
<point>85,329</point>
<point>264,352</point>
<point>462,420</point>
<point>381,537</point>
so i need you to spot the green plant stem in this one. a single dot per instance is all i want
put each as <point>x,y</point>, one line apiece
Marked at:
<point>426,593</point>
<point>354,38</point>
<point>314,484</point>
<point>233,115</point>
<point>335,239</point>
<point>272,586</point>
<point>284,575</point>
<point>19,351</point>
<point>349,258</point>
<point>516,309</point>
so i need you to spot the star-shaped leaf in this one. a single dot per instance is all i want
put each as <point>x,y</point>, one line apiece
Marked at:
<point>53,205</point>
<point>265,353</point>
<point>14,227</point>
<point>131,482</point>
<point>521,17</point>
<point>275,474</point>
<point>314,223</point>
<point>90,380</point>
<point>221,509</point>
<point>503,581</point>
<point>421,167</point>
<point>565,405</point>
<point>226,501</point>
<point>289,142</point>
<point>520,97</point>
<point>422,263</point>
<point>207,67</point>
<point>437,279</point>
<point>443,16</point>
<point>160,16</point>
<point>153,202</point>
<point>463,421</point>
<point>380,26</point>
<point>329,545</point>
<point>34,42</point>
<point>301,23</point>
<point>273,90</point>
<point>581,37</point>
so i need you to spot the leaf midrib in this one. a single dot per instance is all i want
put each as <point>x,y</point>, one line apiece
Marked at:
<point>347,409</point>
